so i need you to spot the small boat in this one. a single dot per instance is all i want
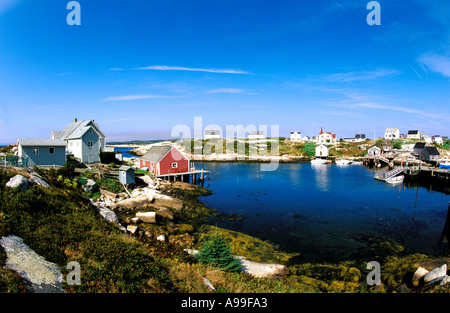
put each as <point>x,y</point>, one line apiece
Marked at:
<point>343,162</point>
<point>357,163</point>
<point>319,161</point>
<point>445,165</point>
<point>395,179</point>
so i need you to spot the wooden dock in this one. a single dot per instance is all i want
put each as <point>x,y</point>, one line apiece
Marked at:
<point>437,174</point>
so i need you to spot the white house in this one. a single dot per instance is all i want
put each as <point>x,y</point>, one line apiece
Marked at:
<point>84,140</point>
<point>413,134</point>
<point>322,151</point>
<point>357,138</point>
<point>306,138</point>
<point>258,134</point>
<point>392,133</point>
<point>295,136</point>
<point>326,138</point>
<point>212,134</point>
<point>438,139</point>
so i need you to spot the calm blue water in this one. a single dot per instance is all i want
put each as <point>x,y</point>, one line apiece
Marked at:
<point>125,152</point>
<point>325,212</point>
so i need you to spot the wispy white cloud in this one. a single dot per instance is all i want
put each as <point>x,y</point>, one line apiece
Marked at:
<point>135,97</point>
<point>435,62</point>
<point>227,90</point>
<point>180,68</point>
<point>117,69</point>
<point>363,75</point>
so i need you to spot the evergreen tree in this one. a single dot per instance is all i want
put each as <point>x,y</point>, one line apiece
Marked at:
<point>216,252</point>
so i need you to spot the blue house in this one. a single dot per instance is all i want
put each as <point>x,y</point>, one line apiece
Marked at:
<point>42,152</point>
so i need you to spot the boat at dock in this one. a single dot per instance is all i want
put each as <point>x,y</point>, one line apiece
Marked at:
<point>395,179</point>
<point>343,162</point>
<point>445,165</point>
<point>319,161</point>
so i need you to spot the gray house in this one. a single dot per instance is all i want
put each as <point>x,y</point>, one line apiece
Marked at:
<point>126,175</point>
<point>42,152</point>
<point>84,140</point>
<point>430,154</point>
<point>418,147</point>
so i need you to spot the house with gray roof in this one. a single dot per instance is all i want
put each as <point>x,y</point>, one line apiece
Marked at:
<point>84,140</point>
<point>42,152</point>
<point>164,160</point>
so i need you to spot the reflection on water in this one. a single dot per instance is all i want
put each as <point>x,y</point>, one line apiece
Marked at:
<point>321,175</point>
<point>327,212</point>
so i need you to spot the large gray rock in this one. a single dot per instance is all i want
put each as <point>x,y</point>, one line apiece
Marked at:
<point>109,215</point>
<point>37,179</point>
<point>258,269</point>
<point>40,275</point>
<point>20,182</point>
<point>436,273</point>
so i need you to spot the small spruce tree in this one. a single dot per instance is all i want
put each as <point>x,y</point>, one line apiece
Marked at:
<point>216,252</point>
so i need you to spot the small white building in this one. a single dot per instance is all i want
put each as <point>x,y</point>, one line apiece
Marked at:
<point>212,134</point>
<point>295,136</point>
<point>438,139</point>
<point>322,151</point>
<point>306,138</point>
<point>327,138</point>
<point>392,133</point>
<point>374,151</point>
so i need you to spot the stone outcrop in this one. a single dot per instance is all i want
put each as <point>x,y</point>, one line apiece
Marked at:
<point>19,181</point>
<point>40,275</point>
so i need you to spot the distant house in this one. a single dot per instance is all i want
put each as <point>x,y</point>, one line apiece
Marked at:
<point>126,175</point>
<point>430,154</point>
<point>387,146</point>
<point>391,133</point>
<point>163,160</point>
<point>322,151</point>
<point>418,147</point>
<point>295,136</point>
<point>413,134</point>
<point>42,152</point>
<point>84,140</point>
<point>258,134</point>
<point>306,138</point>
<point>357,138</point>
<point>425,137</point>
<point>374,151</point>
<point>438,139</point>
<point>212,134</point>
<point>326,138</point>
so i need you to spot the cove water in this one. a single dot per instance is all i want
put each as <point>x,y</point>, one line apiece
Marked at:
<point>325,212</point>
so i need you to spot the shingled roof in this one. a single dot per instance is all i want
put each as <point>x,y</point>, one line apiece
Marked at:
<point>156,153</point>
<point>31,142</point>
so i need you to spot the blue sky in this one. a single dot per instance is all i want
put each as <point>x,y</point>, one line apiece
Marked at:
<point>141,68</point>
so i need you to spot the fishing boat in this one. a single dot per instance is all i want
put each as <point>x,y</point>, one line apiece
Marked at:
<point>395,179</point>
<point>445,165</point>
<point>343,162</point>
<point>319,161</point>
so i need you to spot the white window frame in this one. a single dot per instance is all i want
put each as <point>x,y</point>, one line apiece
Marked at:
<point>35,150</point>
<point>90,144</point>
<point>176,165</point>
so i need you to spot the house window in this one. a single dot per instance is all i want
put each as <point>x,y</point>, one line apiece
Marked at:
<point>35,151</point>
<point>174,165</point>
<point>90,144</point>
<point>51,150</point>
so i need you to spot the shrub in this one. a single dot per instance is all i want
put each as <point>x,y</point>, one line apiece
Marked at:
<point>216,252</point>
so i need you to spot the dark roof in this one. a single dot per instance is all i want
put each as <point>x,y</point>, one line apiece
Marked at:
<point>413,132</point>
<point>360,136</point>
<point>432,151</point>
<point>420,145</point>
<point>156,153</point>
<point>125,168</point>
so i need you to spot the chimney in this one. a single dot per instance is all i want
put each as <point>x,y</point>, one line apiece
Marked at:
<point>75,119</point>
